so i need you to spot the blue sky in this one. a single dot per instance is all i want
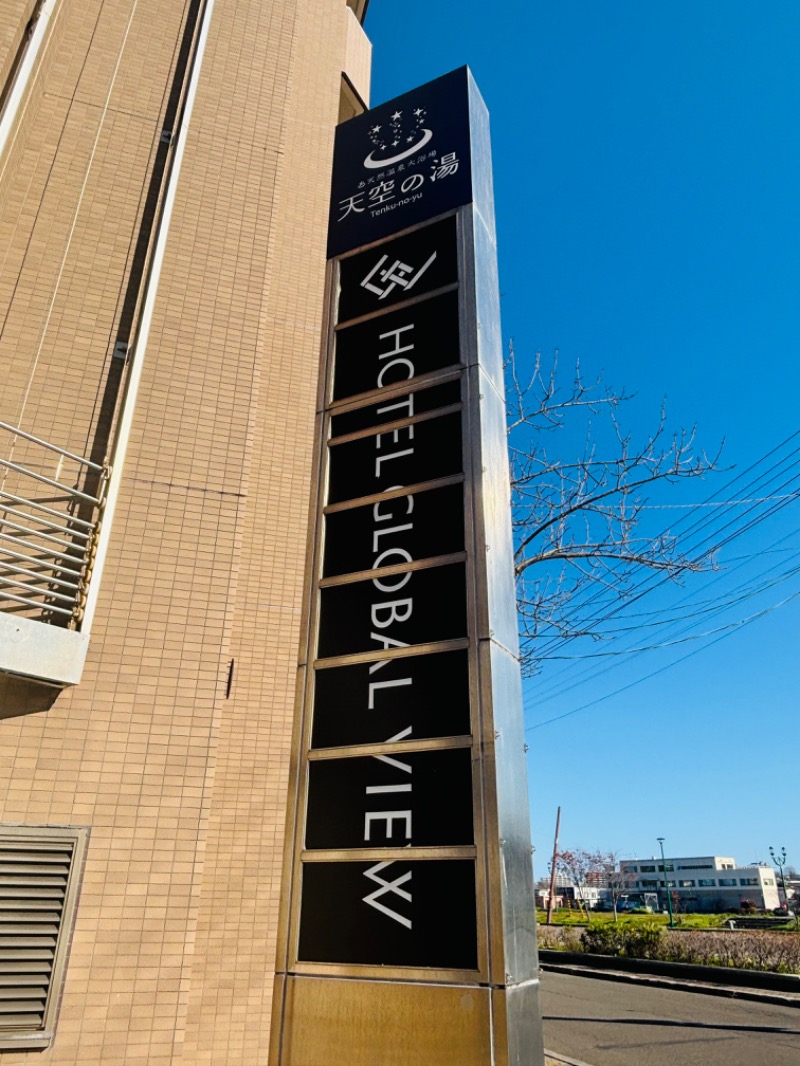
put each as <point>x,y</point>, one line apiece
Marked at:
<point>647,167</point>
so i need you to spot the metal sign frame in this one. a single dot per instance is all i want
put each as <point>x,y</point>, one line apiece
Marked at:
<point>505,978</point>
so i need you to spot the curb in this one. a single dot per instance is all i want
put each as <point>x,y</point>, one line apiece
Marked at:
<point>761,980</point>
<point>685,985</point>
<point>551,1059</point>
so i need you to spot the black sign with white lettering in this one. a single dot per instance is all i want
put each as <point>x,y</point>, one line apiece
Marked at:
<point>416,607</point>
<point>419,799</point>
<point>401,163</point>
<point>392,409</point>
<point>391,532</point>
<point>397,270</point>
<point>394,419</point>
<point>396,913</point>
<point>397,347</point>
<point>420,452</point>
<point>416,698</point>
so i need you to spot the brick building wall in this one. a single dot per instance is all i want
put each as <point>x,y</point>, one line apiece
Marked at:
<point>179,772</point>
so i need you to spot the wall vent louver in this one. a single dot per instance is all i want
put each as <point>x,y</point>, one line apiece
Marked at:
<point>39,872</point>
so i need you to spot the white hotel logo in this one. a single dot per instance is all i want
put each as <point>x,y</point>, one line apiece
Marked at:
<point>399,138</point>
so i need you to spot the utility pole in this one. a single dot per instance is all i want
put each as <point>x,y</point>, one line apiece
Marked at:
<point>666,883</point>
<point>553,869</point>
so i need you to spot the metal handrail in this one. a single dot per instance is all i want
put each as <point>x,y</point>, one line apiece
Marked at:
<point>17,468</point>
<point>73,519</point>
<point>32,603</point>
<point>38,575</point>
<point>43,522</point>
<point>39,559</point>
<point>46,550</point>
<point>38,533</point>
<point>48,553</point>
<point>80,459</point>
<point>50,595</point>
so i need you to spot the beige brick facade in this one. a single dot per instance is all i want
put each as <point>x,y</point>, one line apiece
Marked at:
<point>180,780</point>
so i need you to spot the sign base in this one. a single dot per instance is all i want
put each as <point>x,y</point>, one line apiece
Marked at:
<point>377,1023</point>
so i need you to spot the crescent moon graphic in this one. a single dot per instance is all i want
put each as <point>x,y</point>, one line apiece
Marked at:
<point>376,164</point>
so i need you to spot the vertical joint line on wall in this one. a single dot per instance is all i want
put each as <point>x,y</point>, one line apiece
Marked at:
<point>139,342</point>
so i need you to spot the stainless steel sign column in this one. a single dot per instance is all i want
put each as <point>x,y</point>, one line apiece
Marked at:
<point>407,929</point>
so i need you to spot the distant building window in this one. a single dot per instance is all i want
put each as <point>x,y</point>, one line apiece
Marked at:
<point>648,869</point>
<point>727,882</point>
<point>669,868</point>
<point>40,869</point>
<point>671,884</point>
<point>698,866</point>
<point>706,882</point>
<point>686,884</point>
<point>748,880</point>
<point>650,883</point>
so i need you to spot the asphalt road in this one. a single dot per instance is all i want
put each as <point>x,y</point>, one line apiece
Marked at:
<point>604,1023</point>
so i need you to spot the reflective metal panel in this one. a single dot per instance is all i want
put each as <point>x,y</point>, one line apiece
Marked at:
<point>381,1023</point>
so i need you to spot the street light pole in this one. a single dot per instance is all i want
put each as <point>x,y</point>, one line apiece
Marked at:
<point>780,862</point>
<point>666,883</point>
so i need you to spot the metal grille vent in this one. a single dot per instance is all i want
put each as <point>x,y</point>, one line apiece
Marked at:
<point>37,893</point>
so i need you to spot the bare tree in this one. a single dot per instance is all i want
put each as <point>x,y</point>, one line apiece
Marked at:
<point>578,866</point>
<point>610,875</point>
<point>578,521</point>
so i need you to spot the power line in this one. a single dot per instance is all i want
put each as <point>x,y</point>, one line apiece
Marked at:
<point>649,583</point>
<point>554,689</point>
<point>647,677</point>
<point>547,652</point>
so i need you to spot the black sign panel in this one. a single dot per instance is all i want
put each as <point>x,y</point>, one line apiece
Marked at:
<point>392,409</point>
<point>417,607</point>
<point>405,528</point>
<point>397,270</point>
<point>420,799</point>
<point>390,913</point>
<point>416,698</point>
<point>420,452</point>
<point>401,163</point>
<point>397,318</point>
<point>397,346</point>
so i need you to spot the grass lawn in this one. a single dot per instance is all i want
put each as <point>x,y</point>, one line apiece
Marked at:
<point>682,921</point>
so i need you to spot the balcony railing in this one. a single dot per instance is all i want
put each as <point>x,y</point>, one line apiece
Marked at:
<point>51,501</point>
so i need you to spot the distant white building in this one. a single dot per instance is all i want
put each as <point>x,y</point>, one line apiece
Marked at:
<point>568,894</point>
<point>703,883</point>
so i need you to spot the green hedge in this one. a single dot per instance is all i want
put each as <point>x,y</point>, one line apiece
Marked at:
<point>634,941</point>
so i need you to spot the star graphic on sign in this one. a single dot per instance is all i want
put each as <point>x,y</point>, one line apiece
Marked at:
<point>409,140</point>
<point>375,129</point>
<point>419,111</point>
<point>397,115</point>
<point>395,144</point>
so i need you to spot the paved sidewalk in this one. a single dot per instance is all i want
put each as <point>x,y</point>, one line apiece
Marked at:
<point>603,1024</point>
<point>781,999</point>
